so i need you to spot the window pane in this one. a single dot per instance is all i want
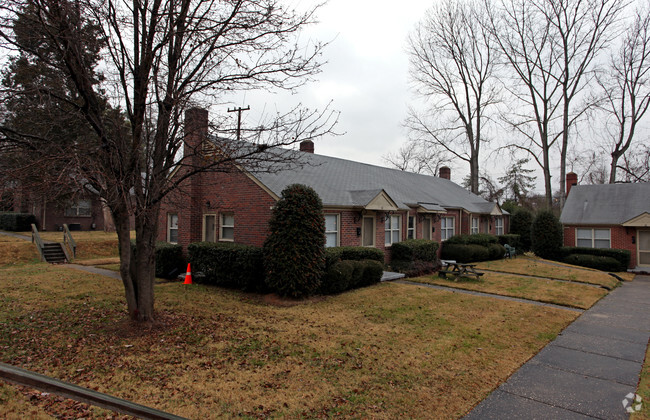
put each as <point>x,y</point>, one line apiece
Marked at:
<point>583,234</point>
<point>387,237</point>
<point>330,222</point>
<point>586,243</point>
<point>173,235</point>
<point>330,240</point>
<point>395,236</point>
<point>173,221</point>
<point>227,233</point>
<point>411,222</point>
<point>228,220</point>
<point>601,233</point>
<point>601,243</point>
<point>644,241</point>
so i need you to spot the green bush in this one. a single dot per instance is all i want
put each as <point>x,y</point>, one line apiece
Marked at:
<point>512,240</point>
<point>414,268</point>
<point>169,259</point>
<point>546,235</point>
<point>496,251</point>
<point>16,222</point>
<point>337,278</point>
<point>228,265</point>
<point>520,224</point>
<point>623,256</point>
<point>482,239</point>
<point>466,253</point>
<point>353,253</point>
<point>415,250</point>
<point>349,274</point>
<point>294,251</point>
<point>593,261</point>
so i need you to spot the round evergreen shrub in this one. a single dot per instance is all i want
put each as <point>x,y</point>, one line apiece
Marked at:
<point>496,251</point>
<point>546,235</point>
<point>337,278</point>
<point>520,224</point>
<point>294,251</point>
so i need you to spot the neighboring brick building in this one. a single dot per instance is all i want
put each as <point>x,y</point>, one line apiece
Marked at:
<point>609,216</point>
<point>364,205</point>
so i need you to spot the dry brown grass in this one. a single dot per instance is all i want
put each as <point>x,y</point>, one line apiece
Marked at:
<point>14,405</point>
<point>549,291</point>
<point>387,351</point>
<point>549,269</point>
<point>21,252</point>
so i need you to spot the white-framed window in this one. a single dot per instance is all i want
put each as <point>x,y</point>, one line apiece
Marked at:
<point>82,208</point>
<point>475,225</point>
<point>368,231</point>
<point>410,229</point>
<point>498,225</point>
<point>446,228</point>
<point>172,228</point>
<point>331,230</point>
<point>210,227</point>
<point>593,238</point>
<point>392,229</point>
<point>227,227</point>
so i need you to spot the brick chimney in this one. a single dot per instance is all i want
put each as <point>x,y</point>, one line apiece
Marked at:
<point>196,130</point>
<point>445,172</point>
<point>571,180</point>
<point>307,146</point>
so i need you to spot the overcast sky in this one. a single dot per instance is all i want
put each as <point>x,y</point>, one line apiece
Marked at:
<point>366,77</point>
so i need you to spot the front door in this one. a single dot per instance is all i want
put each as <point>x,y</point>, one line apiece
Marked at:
<point>426,228</point>
<point>368,232</point>
<point>644,247</point>
<point>210,227</point>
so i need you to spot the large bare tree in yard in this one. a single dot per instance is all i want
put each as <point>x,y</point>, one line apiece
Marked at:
<point>551,47</point>
<point>452,65</point>
<point>159,59</point>
<point>626,90</point>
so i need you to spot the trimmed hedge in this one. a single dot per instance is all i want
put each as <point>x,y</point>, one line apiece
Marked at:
<point>350,274</point>
<point>622,256</point>
<point>594,261</point>
<point>228,264</point>
<point>483,239</point>
<point>472,253</point>
<point>16,222</point>
<point>415,250</point>
<point>352,253</point>
<point>169,259</point>
<point>520,224</point>
<point>513,240</point>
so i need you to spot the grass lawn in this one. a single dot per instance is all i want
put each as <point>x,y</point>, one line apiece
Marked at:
<point>386,351</point>
<point>549,291</point>
<point>550,269</point>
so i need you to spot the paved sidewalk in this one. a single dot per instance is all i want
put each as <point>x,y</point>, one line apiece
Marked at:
<point>96,270</point>
<point>587,371</point>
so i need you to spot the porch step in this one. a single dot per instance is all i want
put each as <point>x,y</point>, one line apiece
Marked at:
<point>53,253</point>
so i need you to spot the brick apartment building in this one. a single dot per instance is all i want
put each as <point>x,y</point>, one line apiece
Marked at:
<point>609,216</point>
<point>364,205</point>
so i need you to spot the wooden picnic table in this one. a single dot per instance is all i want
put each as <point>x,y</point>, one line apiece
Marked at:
<point>459,270</point>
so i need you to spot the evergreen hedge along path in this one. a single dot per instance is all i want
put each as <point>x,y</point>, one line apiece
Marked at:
<point>384,351</point>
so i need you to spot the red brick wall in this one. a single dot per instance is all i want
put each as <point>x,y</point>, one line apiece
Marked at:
<point>55,216</point>
<point>621,238</point>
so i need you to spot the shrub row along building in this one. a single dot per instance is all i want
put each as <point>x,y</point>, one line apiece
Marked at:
<point>364,205</point>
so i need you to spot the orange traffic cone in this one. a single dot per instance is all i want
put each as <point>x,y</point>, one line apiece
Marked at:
<point>188,275</point>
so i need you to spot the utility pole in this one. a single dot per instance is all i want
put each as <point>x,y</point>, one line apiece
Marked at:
<point>239,111</point>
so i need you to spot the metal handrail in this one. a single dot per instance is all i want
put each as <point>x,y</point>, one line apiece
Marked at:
<point>39,242</point>
<point>68,241</point>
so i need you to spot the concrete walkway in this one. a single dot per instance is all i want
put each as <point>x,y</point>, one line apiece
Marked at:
<point>95,270</point>
<point>588,370</point>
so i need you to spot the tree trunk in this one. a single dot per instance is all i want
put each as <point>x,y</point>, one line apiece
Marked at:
<point>145,260</point>
<point>123,229</point>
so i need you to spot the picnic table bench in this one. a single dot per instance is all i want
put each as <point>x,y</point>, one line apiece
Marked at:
<point>459,270</point>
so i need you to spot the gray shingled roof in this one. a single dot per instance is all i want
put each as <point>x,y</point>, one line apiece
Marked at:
<point>341,182</point>
<point>609,204</point>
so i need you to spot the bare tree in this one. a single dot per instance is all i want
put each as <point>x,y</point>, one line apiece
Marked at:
<point>416,157</point>
<point>636,164</point>
<point>626,90</point>
<point>161,58</point>
<point>551,47</point>
<point>452,66</point>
